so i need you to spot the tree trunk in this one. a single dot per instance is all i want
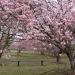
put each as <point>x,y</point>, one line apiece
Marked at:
<point>42,52</point>
<point>72,63</point>
<point>57,58</point>
<point>71,58</point>
<point>0,59</point>
<point>0,55</point>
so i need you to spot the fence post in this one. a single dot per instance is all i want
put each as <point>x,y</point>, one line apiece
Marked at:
<point>42,62</point>
<point>18,63</point>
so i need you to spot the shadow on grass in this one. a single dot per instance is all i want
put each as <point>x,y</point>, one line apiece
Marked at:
<point>54,72</point>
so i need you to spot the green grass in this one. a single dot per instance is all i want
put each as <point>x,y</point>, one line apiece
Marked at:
<point>30,65</point>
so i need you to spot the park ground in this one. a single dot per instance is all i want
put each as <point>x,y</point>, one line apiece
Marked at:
<point>30,64</point>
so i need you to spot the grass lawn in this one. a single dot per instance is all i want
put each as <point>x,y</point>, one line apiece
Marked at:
<point>30,65</point>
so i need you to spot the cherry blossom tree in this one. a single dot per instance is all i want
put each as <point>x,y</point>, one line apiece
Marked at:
<point>51,19</point>
<point>11,24</point>
<point>54,20</point>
